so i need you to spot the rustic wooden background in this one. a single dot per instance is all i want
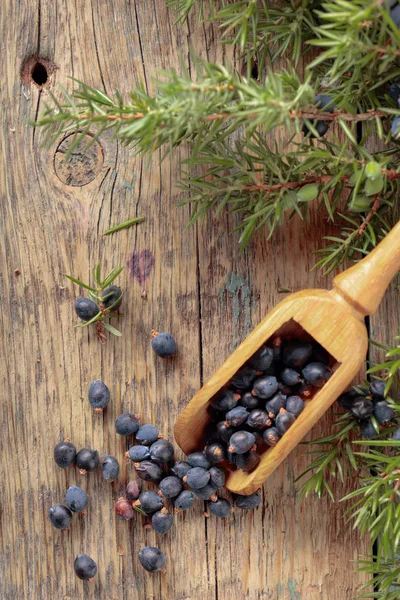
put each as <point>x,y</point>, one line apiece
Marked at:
<point>198,287</point>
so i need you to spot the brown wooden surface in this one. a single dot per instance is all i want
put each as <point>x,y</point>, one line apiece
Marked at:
<point>200,289</point>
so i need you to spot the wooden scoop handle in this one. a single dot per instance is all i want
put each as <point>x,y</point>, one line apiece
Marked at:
<point>364,285</point>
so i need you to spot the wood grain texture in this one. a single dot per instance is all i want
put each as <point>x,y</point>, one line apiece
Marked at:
<point>197,286</point>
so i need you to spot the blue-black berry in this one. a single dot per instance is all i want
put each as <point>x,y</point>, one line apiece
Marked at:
<point>258,419</point>
<point>217,476</point>
<point>110,468</point>
<point>396,435</point>
<point>138,453</point>
<point>147,434</point>
<point>236,416</point>
<point>197,477</point>
<point>170,486</point>
<point>85,567</point>
<point>295,405</point>
<point>64,454</point>
<point>86,309</point>
<point>377,388</point>
<point>148,471</point>
<point>221,508</point>
<point>243,378</point>
<point>225,431</point>
<point>163,344</point>
<point>112,297</point>
<point>162,451</point>
<point>225,400</point>
<point>271,436</point>
<point>149,501</point>
<point>249,401</point>
<point>60,516</point>
<point>181,468</point>
<point>262,359</point>
<point>127,424</point>
<point>76,499</point>
<point>274,404</point>
<point>87,460</point>
<point>265,387</point>
<point>152,559</point>
<point>184,500</point>
<point>207,492</point>
<point>248,461</point>
<point>248,502</point>
<point>289,376</point>
<point>197,459</point>
<point>362,407</point>
<point>214,453</point>
<point>297,354</point>
<point>241,442</point>
<point>284,420</point>
<point>367,429</point>
<point>317,374</point>
<point>162,521</point>
<point>99,395</point>
<point>383,412</point>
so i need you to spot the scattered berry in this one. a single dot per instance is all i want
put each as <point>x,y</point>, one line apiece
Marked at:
<point>284,420</point>
<point>99,395</point>
<point>147,435</point>
<point>317,374</point>
<point>87,460</point>
<point>367,429</point>
<point>85,567</point>
<point>148,471</point>
<point>206,492</point>
<point>294,405</point>
<point>217,476</point>
<point>132,490</point>
<point>152,559</point>
<point>162,521</point>
<point>163,344</point>
<point>221,508</point>
<point>214,453</point>
<point>76,499</point>
<point>171,486</point>
<point>197,477</point>
<point>197,459</point>
<point>181,468</point>
<point>162,451</point>
<point>262,359</point>
<point>236,416</point>
<point>241,442</point>
<point>258,419</point>
<point>60,516</point>
<point>265,387</point>
<point>64,454</point>
<point>297,354</point>
<point>124,509</point>
<point>324,102</point>
<point>127,424</point>
<point>86,309</point>
<point>109,468</point>
<point>224,401</point>
<point>248,502</point>
<point>138,453</point>
<point>377,388</point>
<point>347,399</point>
<point>383,412</point>
<point>184,500</point>
<point>271,436</point>
<point>149,501</point>
<point>112,297</point>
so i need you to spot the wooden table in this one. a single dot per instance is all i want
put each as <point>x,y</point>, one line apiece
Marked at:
<point>197,286</point>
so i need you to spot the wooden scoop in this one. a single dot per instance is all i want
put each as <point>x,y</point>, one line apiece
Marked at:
<point>333,318</point>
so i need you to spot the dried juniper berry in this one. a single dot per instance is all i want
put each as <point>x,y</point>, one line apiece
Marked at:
<point>248,502</point>
<point>214,453</point>
<point>180,468</point>
<point>284,420</point>
<point>296,354</point>
<point>110,468</point>
<point>149,501</point>
<point>361,407</point>
<point>132,490</point>
<point>274,404</point>
<point>305,390</point>
<point>207,492</point>
<point>162,521</point>
<point>112,297</point>
<point>396,435</point>
<point>162,451</point>
<point>60,516</point>
<point>265,387</point>
<point>236,416</point>
<point>184,500</point>
<point>271,436</point>
<point>317,374</point>
<point>383,412</point>
<point>347,399</point>
<point>277,349</point>
<point>124,509</point>
<point>289,376</point>
<point>262,359</point>
<point>197,477</point>
<point>85,568</point>
<point>147,434</point>
<point>171,486</point>
<point>127,424</point>
<point>138,453</point>
<point>197,459</point>
<point>225,400</point>
<point>258,419</point>
<point>163,344</point>
<point>377,389</point>
<point>241,442</point>
<point>249,401</point>
<point>86,309</point>
<point>295,405</point>
<point>225,431</point>
<point>243,378</point>
<point>87,460</point>
<point>217,476</point>
<point>248,461</point>
<point>152,559</point>
<point>64,454</point>
<point>76,499</point>
<point>221,508</point>
<point>148,471</point>
<point>367,429</point>
<point>99,395</point>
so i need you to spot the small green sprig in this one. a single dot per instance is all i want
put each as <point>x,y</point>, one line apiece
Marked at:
<point>390,368</point>
<point>96,294</point>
